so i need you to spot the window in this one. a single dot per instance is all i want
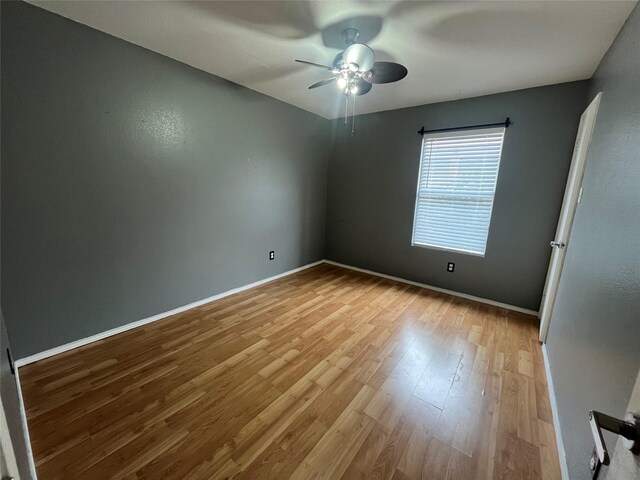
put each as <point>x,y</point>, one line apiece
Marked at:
<point>456,185</point>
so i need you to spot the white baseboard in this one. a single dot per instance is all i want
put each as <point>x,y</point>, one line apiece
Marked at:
<point>25,426</point>
<point>562,457</point>
<point>437,289</point>
<point>114,331</point>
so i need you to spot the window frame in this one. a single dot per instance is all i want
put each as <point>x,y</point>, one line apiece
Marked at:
<point>455,133</point>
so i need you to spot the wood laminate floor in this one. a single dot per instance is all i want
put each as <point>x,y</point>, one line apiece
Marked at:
<point>324,374</point>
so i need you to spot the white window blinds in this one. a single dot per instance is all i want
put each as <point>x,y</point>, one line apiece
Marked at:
<point>456,185</point>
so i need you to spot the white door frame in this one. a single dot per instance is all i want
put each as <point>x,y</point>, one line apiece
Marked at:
<point>572,196</point>
<point>7,447</point>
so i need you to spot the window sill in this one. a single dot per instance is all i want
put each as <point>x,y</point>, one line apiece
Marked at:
<point>445,249</point>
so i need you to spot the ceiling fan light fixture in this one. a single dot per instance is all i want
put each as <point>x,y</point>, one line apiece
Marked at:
<point>361,55</point>
<point>355,70</point>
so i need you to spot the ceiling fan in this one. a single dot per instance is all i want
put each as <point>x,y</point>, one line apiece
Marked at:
<point>355,69</point>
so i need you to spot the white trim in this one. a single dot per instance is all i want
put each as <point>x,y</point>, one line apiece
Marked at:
<point>114,331</point>
<point>7,445</point>
<point>25,426</point>
<point>437,289</point>
<point>562,457</point>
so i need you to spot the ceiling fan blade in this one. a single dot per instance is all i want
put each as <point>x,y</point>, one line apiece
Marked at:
<point>315,65</point>
<point>323,82</point>
<point>386,72</point>
<point>363,87</point>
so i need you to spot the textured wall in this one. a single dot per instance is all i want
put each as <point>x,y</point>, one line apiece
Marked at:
<point>133,184</point>
<point>594,336</point>
<point>373,175</point>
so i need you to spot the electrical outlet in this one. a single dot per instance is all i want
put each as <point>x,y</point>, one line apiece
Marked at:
<point>272,255</point>
<point>451,267</point>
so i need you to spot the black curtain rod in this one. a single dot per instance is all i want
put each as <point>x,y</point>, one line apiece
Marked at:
<point>504,124</point>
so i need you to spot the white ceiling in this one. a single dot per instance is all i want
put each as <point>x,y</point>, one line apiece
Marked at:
<point>452,49</point>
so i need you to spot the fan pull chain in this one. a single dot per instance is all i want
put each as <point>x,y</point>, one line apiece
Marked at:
<point>353,120</point>
<point>346,108</point>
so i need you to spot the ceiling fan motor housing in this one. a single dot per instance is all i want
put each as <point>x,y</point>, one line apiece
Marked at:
<point>350,35</point>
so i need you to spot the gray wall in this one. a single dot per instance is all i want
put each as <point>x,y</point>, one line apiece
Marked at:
<point>11,405</point>
<point>133,184</point>
<point>373,178</point>
<point>594,336</point>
